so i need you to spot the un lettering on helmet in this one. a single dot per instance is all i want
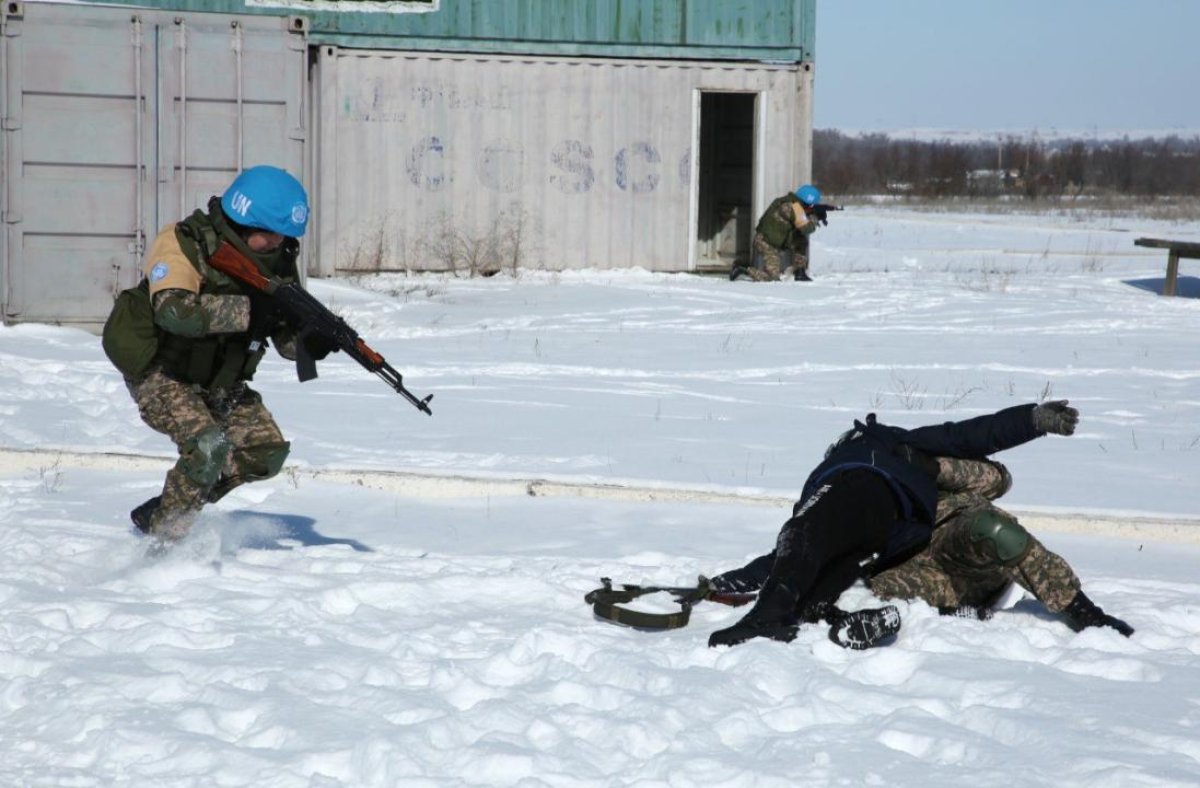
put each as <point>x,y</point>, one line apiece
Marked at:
<point>241,204</point>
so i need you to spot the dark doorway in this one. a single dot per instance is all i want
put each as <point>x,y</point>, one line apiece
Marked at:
<point>726,179</point>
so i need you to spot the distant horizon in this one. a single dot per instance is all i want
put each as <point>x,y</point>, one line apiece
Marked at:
<point>1042,133</point>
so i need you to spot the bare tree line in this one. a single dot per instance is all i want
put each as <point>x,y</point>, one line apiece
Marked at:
<point>1011,165</point>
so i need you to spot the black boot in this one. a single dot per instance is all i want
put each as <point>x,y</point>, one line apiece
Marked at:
<point>773,616</point>
<point>801,275</point>
<point>142,514</point>
<point>864,629</point>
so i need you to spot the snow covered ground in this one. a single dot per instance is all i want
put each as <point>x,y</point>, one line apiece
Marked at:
<point>428,628</point>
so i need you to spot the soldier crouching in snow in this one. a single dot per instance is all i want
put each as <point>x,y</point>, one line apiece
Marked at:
<point>781,238</point>
<point>912,508</point>
<point>188,339</point>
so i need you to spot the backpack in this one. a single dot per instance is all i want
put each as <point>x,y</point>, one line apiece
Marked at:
<point>130,337</point>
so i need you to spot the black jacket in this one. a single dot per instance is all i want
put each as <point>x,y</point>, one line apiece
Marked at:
<point>904,458</point>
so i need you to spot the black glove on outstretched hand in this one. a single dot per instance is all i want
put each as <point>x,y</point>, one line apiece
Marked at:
<point>1083,613</point>
<point>1056,416</point>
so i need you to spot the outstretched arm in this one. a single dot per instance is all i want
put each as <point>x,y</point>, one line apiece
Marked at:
<point>985,435</point>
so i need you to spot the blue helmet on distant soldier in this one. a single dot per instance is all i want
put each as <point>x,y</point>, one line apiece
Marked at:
<point>808,194</point>
<point>267,198</point>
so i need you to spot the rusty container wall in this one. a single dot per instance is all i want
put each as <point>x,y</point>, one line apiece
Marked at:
<point>434,161</point>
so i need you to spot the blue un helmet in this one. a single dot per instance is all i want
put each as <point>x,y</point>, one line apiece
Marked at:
<point>808,194</point>
<point>267,198</point>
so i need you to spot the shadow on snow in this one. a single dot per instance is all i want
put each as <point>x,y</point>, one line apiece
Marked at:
<point>293,527</point>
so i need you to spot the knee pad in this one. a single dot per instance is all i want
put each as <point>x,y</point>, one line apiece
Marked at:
<point>1006,537</point>
<point>263,460</point>
<point>204,455</point>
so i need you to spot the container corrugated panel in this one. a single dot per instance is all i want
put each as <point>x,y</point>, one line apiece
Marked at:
<point>436,161</point>
<point>700,29</point>
<point>98,103</point>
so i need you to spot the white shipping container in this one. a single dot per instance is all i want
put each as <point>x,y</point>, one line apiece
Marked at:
<point>436,161</point>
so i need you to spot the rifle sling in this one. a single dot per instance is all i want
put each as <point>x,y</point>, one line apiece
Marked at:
<point>606,604</point>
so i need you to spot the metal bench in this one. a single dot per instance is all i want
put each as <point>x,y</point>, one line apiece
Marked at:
<point>1175,250</point>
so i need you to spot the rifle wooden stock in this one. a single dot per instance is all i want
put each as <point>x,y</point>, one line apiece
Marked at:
<point>311,318</point>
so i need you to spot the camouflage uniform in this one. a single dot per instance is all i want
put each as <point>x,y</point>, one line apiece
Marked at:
<point>957,569</point>
<point>780,240</point>
<point>211,338</point>
<point>182,412</point>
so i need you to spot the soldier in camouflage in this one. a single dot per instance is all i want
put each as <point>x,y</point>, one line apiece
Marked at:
<point>210,335</point>
<point>781,238</point>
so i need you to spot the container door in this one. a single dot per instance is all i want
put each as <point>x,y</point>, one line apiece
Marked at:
<point>74,133</point>
<point>118,121</point>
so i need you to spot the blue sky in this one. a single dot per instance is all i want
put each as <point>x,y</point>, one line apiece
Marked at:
<point>1019,64</point>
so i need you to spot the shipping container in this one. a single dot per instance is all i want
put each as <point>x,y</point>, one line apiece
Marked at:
<point>473,162</point>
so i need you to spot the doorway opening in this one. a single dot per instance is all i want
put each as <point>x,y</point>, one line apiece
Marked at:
<point>725,221</point>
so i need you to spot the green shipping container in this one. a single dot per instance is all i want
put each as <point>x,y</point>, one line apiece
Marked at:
<point>757,30</point>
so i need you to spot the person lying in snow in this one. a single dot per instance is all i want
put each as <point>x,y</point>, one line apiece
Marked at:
<point>912,509</point>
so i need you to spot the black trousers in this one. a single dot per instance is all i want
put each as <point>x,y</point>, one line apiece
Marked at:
<point>820,550</point>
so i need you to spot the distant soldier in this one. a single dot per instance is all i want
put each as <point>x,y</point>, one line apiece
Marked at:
<point>978,551</point>
<point>781,238</point>
<point>188,339</point>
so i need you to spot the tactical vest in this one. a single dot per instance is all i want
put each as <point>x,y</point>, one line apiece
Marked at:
<point>773,227</point>
<point>217,361</point>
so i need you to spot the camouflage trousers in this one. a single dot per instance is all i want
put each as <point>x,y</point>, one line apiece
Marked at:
<point>770,262</point>
<point>955,569</point>
<point>182,412</point>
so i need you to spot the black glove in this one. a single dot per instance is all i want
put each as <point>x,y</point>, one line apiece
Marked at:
<point>317,345</point>
<point>821,213</point>
<point>1083,613</point>
<point>265,316</point>
<point>1056,417</point>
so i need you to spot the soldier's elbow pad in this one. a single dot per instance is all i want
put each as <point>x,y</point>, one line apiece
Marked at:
<point>180,316</point>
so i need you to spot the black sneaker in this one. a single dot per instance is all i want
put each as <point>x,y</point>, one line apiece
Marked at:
<point>864,629</point>
<point>142,514</point>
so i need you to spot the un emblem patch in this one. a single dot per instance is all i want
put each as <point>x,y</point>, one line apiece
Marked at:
<point>159,271</point>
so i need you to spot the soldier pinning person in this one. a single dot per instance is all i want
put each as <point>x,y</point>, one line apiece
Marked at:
<point>781,238</point>
<point>874,503</point>
<point>188,340</point>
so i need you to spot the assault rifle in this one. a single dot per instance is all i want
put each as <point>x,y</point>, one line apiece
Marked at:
<point>821,212</point>
<point>311,317</point>
<point>606,601</point>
